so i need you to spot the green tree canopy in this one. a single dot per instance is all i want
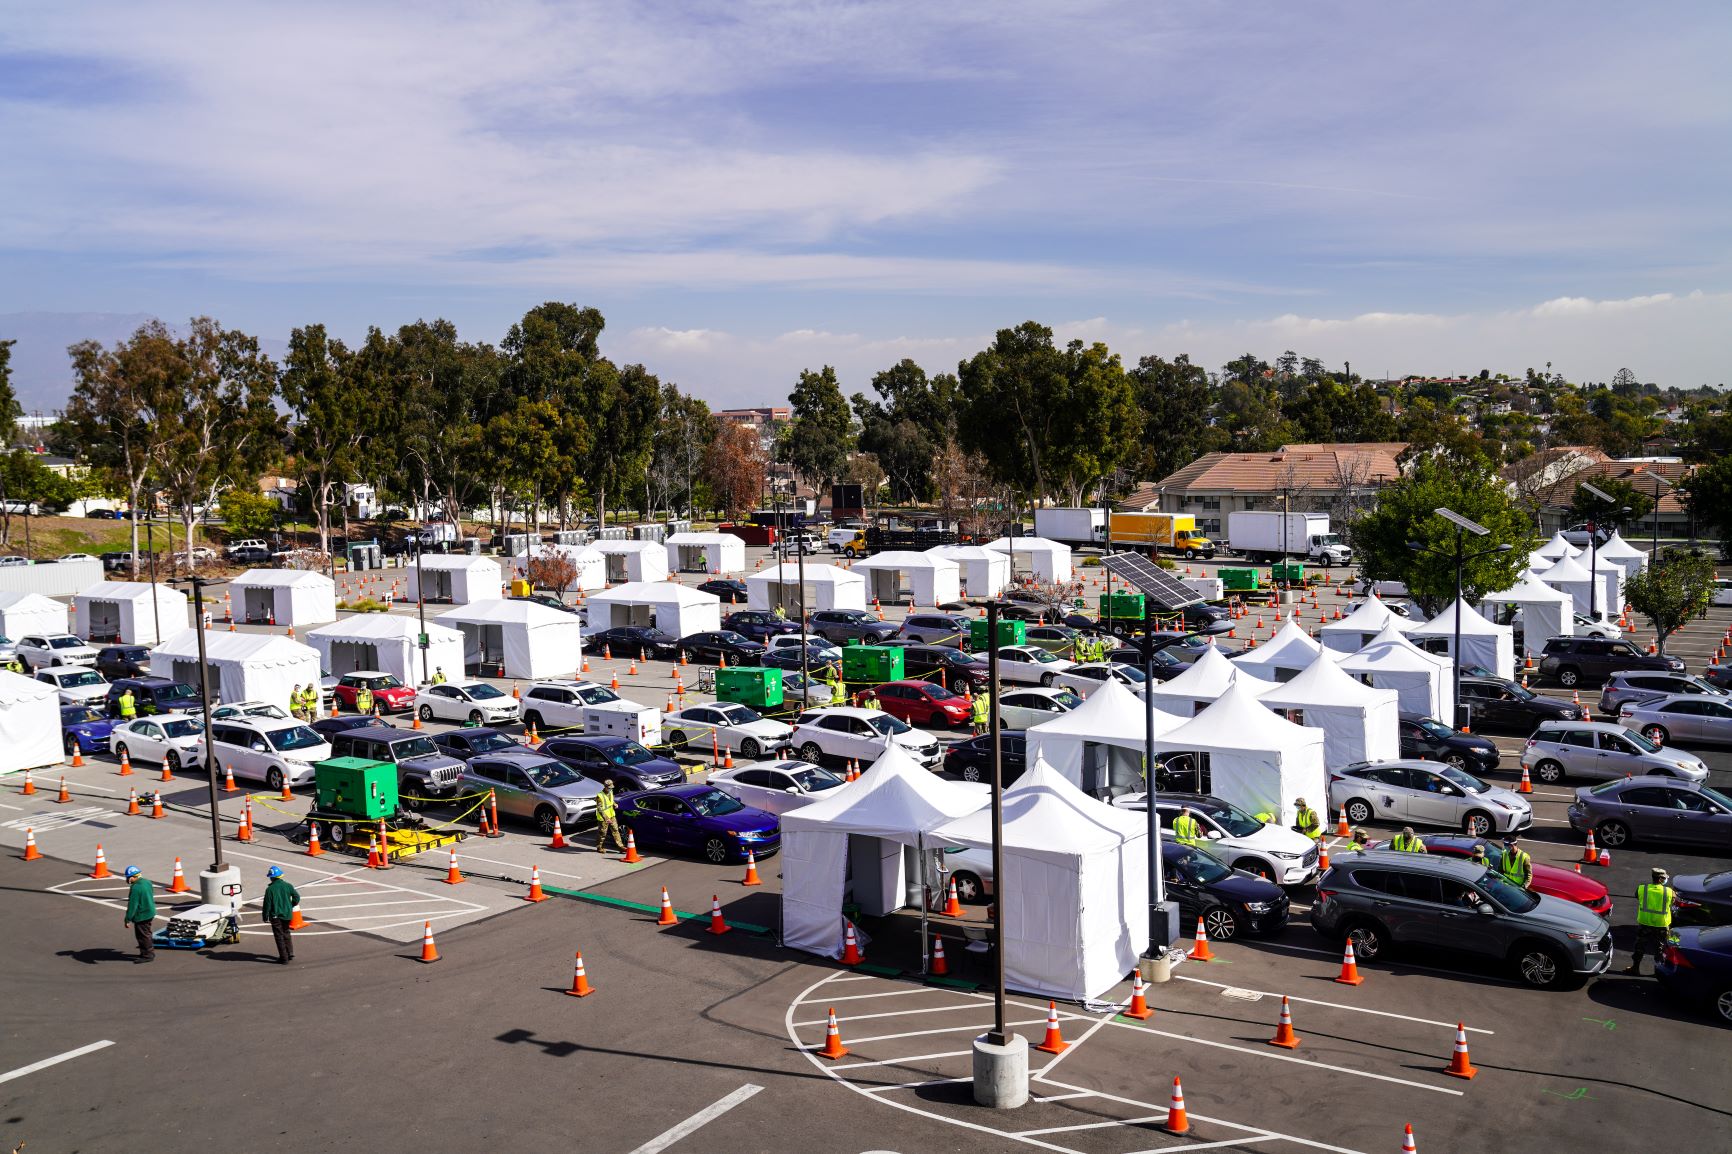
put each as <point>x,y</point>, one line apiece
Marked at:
<point>1584,506</point>
<point>1708,495</point>
<point>820,433</point>
<point>1174,398</point>
<point>1674,589</point>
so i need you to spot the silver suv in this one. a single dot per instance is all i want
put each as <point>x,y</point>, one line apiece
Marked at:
<point>1382,899</point>
<point>1635,685</point>
<point>1599,749</point>
<point>534,786</point>
<point>935,628</point>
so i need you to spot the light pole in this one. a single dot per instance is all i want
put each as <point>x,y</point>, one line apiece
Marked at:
<point>1000,1057</point>
<point>1594,550</point>
<point>421,604</point>
<point>197,585</point>
<point>1463,526</point>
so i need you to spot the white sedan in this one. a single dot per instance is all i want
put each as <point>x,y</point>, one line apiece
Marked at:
<point>77,685</point>
<point>1027,708</point>
<point>777,786</point>
<point>1030,665</point>
<point>733,727</point>
<point>173,740</point>
<point>460,701</point>
<point>818,648</point>
<point>1084,679</point>
<point>242,710</point>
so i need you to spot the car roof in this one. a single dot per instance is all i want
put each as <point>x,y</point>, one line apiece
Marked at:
<point>1404,762</point>
<point>517,755</point>
<point>1596,726</point>
<point>841,710</point>
<point>473,731</point>
<point>1621,784</point>
<point>366,673</point>
<point>1462,869</point>
<point>265,724</point>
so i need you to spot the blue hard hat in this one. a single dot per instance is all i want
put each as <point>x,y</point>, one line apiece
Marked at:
<point>132,871</point>
<point>274,872</point>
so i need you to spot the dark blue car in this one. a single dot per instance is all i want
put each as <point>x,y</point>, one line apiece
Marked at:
<point>700,819</point>
<point>1697,968</point>
<point>624,762</point>
<point>468,743</point>
<point>84,728</point>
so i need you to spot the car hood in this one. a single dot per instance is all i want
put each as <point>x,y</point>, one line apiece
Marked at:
<point>1568,884</point>
<point>1566,916</point>
<point>578,790</point>
<point>747,820</point>
<point>1669,756</point>
<point>435,761</point>
<point>1242,887</point>
<point>93,728</point>
<point>774,730</point>
<point>1505,797</point>
<point>85,692</point>
<point>1472,744</point>
<point>913,739</point>
<point>1277,837</point>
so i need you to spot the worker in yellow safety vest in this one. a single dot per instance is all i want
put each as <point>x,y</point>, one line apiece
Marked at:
<point>1356,842</point>
<point>363,700</point>
<point>128,705</point>
<point>438,675</point>
<point>1407,841</point>
<point>838,694</point>
<point>1517,867</point>
<point>982,711</point>
<point>1307,822</point>
<point>1186,829</point>
<point>1653,919</point>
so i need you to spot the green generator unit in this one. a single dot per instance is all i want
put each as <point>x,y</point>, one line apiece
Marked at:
<point>1009,633</point>
<point>1122,606</point>
<point>758,688</point>
<point>1292,572</point>
<point>874,663</point>
<point>355,787</point>
<point>1239,580</point>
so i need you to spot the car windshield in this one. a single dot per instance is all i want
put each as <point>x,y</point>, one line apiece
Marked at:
<point>179,691</point>
<point>813,779</point>
<point>1642,743</point>
<point>596,695</point>
<point>1466,781</point>
<point>1519,692</point>
<point>481,691</point>
<point>887,725</point>
<point>630,753</point>
<point>1715,795</point>
<point>552,774</point>
<point>1129,673</point>
<point>83,677</point>
<point>738,714</point>
<point>183,727</point>
<point>415,747</point>
<point>1236,822</point>
<point>714,803</point>
<point>1508,895</point>
<point>488,742</point>
<point>64,643</point>
<point>299,737</point>
<point>78,715</point>
<point>1042,656</point>
<point>940,693</point>
<point>1202,868</point>
<point>958,657</point>
<point>1435,728</point>
<point>1067,699</point>
<point>730,637</point>
<point>385,682</point>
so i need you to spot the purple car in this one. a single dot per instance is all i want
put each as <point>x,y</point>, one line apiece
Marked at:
<point>702,819</point>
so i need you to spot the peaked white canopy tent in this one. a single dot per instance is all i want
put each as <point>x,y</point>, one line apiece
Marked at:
<point>1558,548</point>
<point>243,666</point>
<point>22,613</point>
<point>1545,612</point>
<point>633,560</point>
<point>1047,561</point>
<point>1257,759</point>
<point>1538,562</point>
<point>984,572</point>
<point>29,723</point>
<point>1422,680</point>
<point>1098,746</point>
<point>1074,896</point>
<point>827,587</point>
<point>902,575</point>
<point>669,606</point>
<point>591,566</point>
<point>1570,576</point>
<point>517,638</point>
<point>128,612</point>
<point>1354,631</point>
<point>1631,559</point>
<point>873,830</point>
<point>1208,677</point>
<point>283,597</point>
<point>1359,723</point>
<point>1609,576</point>
<point>458,578</point>
<point>712,554</point>
<point>1482,643</point>
<point>389,643</point>
<point>1283,656</point>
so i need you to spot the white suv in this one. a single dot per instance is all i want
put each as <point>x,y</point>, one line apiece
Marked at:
<point>1284,856</point>
<point>77,685</point>
<point>845,733</point>
<point>42,650</point>
<point>560,704</point>
<point>1030,665</point>
<point>267,749</point>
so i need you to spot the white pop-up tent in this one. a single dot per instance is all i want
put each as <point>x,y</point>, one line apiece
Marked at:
<point>455,577</point>
<point>633,560</point>
<point>126,612</point>
<point>1098,746</point>
<point>590,566</point>
<point>1538,562</point>
<point>1207,678</point>
<point>1570,576</point>
<point>827,587</point>
<point>23,613</point>
<point>1073,901</point>
<point>1256,759</point>
<point>669,606</point>
<point>1283,656</point>
<point>1609,577</point>
<point>1354,631</point>
<point>1545,612</point>
<point>1482,643</point>
<point>517,638</point>
<point>283,597</point>
<point>388,643</point>
<point>1047,561</point>
<point>984,572</point>
<point>1631,559</point>
<point>1359,723</point>
<point>899,576</point>
<point>243,666</point>
<point>1558,548</point>
<point>712,554</point>
<point>1391,661</point>
<point>29,723</point>
<point>872,830</point>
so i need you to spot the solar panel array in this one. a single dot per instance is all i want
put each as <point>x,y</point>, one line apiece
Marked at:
<point>1152,581</point>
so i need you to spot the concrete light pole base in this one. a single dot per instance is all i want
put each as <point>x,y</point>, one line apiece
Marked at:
<point>1001,1073</point>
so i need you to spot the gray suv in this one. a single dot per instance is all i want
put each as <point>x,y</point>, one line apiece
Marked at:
<point>1599,749</point>
<point>1632,685</point>
<point>840,626</point>
<point>534,786</point>
<point>935,628</point>
<point>424,771</point>
<point>1381,899</point>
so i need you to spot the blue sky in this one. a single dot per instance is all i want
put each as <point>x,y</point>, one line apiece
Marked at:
<point>749,188</point>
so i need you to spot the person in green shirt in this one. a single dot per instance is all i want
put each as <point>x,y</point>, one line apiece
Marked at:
<point>141,912</point>
<point>1307,822</point>
<point>278,907</point>
<point>1186,829</point>
<point>438,675</point>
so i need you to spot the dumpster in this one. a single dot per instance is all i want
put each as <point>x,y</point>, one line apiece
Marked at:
<point>1239,580</point>
<point>1128,606</point>
<point>758,688</point>
<point>874,663</point>
<point>1009,633</point>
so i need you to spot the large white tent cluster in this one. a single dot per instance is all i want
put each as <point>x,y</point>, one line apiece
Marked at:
<point>517,638</point>
<point>1209,676</point>
<point>243,666</point>
<point>1422,680</point>
<point>1285,655</point>
<point>712,554</point>
<point>825,587</point>
<point>669,606</point>
<point>1482,643</point>
<point>984,572</point>
<point>283,597</point>
<point>920,579</point>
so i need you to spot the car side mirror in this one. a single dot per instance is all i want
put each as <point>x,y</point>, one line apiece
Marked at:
<point>793,789</point>
<point>1484,909</point>
<point>1214,835</point>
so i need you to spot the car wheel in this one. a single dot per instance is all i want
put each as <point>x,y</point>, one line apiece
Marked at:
<point>810,752</point>
<point>716,851</point>
<point>1477,824</point>
<point>172,762</point>
<point>1190,554</point>
<point>1359,811</point>
<point>1540,966</point>
<point>1549,771</point>
<point>274,779</point>
<point>1455,761</point>
<point>679,739</point>
<point>1369,939</point>
<point>1612,834</point>
<point>968,887</point>
<point>971,773</point>
<point>1569,677</point>
<point>120,751</point>
<point>1723,1006</point>
<point>334,834</point>
<point>546,819</point>
<point>1257,866</point>
<point>1656,734</point>
<point>71,744</point>
<point>1046,679</point>
<point>1220,924</point>
<point>533,720</point>
<point>475,717</point>
<point>749,747</point>
<point>426,713</point>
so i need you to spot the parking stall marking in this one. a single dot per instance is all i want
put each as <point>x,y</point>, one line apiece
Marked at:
<point>45,1063</point>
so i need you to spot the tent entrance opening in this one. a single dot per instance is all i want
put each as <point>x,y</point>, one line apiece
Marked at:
<point>186,672</point>
<point>435,585</point>
<point>483,647</point>
<point>616,568</point>
<point>350,656</point>
<point>785,595</point>
<point>258,605</point>
<point>692,558</point>
<point>102,621</point>
<point>1110,770</point>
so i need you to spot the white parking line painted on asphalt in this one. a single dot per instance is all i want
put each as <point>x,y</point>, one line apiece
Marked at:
<point>897,1061</point>
<point>1259,1132</point>
<point>1333,1005</point>
<point>54,1061</point>
<point>918,1085</point>
<point>885,993</point>
<point>697,1121</point>
<point>1161,1117</point>
<point>1040,1021</point>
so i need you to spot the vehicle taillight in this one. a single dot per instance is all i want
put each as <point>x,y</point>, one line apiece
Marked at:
<point>1674,957</point>
<point>1686,904</point>
<point>1531,743</point>
<point>1324,895</point>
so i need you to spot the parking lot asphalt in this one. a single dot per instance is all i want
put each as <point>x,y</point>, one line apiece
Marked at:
<point>697,1042</point>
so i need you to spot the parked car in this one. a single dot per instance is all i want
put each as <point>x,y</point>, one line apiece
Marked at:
<point>1694,718</point>
<point>1622,688</point>
<point>560,704</point>
<point>1696,968</point>
<point>1203,618</point>
<point>75,557</point>
<point>241,710</point>
<point>1601,625</point>
<point>152,695</point>
<point>1573,661</point>
<point>730,591</point>
<point>114,562</point>
<point>267,749</point>
<point>1275,853</point>
<point>758,624</point>
<point>1167,665</point>
<point>84,728</point>
<point>1702,899</point>
<point>840,626</point>
<point>1582,532</point>
<point>802,691</point>
<point>951,667</point>
<point>1230,903</point>
<point>1027,707</point>
<point>702,819</point>
<point>776,787</point>
<point>247,544</point>
<point>934,628</point>
<point>1084,679</point>
<point>114,661</point>
<point>1654,811</point>
<point>547,600</point>
<point>971,760</point>
<point>424,770</point>
<point>819,651</point>
<point>533,786</point>
<point>601,757</point>
<point>1059,639</point>
<point>1504,706</point>
<point>1425,793</point>
<point>331,726</point>
<point>640,641</point>
<point>76,684</point>
<point>1381,900</point>
<point>389,694</point>
<point>788,659</point>
<point>100,514</point>
<point>1032,613</point>
<point>477,701</point>
<point>471,741</point>
<point>1429,739</point>
<point>844,733</point>
<point>1599,749</point>
<point>1030,665</point>
<point>924,703</point>
<point>1584,891</point>
<point>45,650</point>
<point>715,645</point>
<point>737,728</point>
<point>249,555</point>
<point>174,741</point>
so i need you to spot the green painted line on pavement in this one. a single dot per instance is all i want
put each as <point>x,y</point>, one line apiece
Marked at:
<point>640,907</point>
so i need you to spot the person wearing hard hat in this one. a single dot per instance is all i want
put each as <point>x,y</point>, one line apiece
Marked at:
<point>1653,919</point>
<point>141,912</point>
<point>278,908</point>
<point>1307,822</point>
<point>1407,841</point>
<point>1186,830</point>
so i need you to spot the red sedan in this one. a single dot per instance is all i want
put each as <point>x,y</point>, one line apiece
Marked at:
<point>1547,879</point>
<point>389,694</point>
<point>922,703</point>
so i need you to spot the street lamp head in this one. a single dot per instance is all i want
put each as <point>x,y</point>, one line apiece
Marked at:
<point>1505,548</point>
<point>1461,522</point>
<point>1416,546</point>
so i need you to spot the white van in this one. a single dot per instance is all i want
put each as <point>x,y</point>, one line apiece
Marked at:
<point>267,749</point>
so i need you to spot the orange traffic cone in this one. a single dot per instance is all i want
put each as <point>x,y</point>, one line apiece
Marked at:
<point>1527,785</point>
<point>245,831</point>
<point>1342,829</point>
<point>833,1047</point>
<point>558,841</point>
<point>77,755</point>
<point>631,671</point>
<point>429,951</point>
<point>1139,1007</point>
<point>1284,1035</point>
<point>727,759</point>
<point>167,774</point>
<point>851,955</point>
<point>1200,951</point>
<point>65,794</point>
<point>632,857</point>
<point>373,859</point>
<point>1349,975</point>
<point>952,907</point>
<point>453,876</point>
<point>1459,1065</point>
<point>286,795</point>
<point>718,924</point>
<point>132,801</point>
<point>296,921</point>
<point>1177,1123</point>
<point>580,987</point>
<point>939,967</point>
<point>1322,856</point>
<point>535,894</point>
<point>613,682</point>
<point>751,878</point>
<point>156,805</point>
<point>178,885</point>
<point>29,784</point>
<point>314,849</point>
<point>1407,1146</point>
<point>1589,854</point>
<point>1054,1042</point>
<point>668,917</point>
<point>229,785</point>
<point>125,764</point>
<point>31,853</point>
<point>101,868</point>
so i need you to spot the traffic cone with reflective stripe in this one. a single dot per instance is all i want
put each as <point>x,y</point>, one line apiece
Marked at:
<point>1527,785</point>
<point>558,841</point>
<point>156,805</point>
<point>1342,829</point>
<point>1054,1042</point>
<point>1177,1123</point>
<point>833,1047</point>
<point>314,849</point>
<point>245,831</point>
<point>101,868</point>
<point>77,755</point>
<point>580,987</point>
<point>286,795</point>
<point>29,784</point>
<point>132,801</point>
<point>1589,854</point>
<point>453,876</point>
<point>1284,1035</point>
<point>632,857</point>
<point>727,759</point>
<point>851,955</point>
<point>668,917</point>
<point>65,794</point>
<point>751,878</point>
<point>1459,1065</point>
<point>1322,857</point>
<point>296,921</point>
<point>1200,951</point>
<point>952,907</point>
<point>1605,857</point>
<point>373,861</point>
<point>940,967</point>
<point>178,884</point>
<point>429,951</point>
<point>1139,1007</point>
<point>125,764</point>
<point>31,853</point>
<point>167,774</point>
<point>1349,975</point>
<point>718,924</point>
<point>535,894</point>
<point>1407,1146</point>
<point>229,785</point>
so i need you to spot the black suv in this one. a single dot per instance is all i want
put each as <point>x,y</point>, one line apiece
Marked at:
<point>154,695</point>
<point>1432,740</point>
<point>1497,703</point>
<point>117,661</point>
<point>840,626</point>
<point>956,666</point>
<point>1573,661</point>
<point>758,624</point>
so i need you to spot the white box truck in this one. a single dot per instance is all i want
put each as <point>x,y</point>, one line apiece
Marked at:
<point>1267,536</point>
<point>1074,527</point>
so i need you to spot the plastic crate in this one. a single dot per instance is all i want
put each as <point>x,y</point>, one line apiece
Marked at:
<point>1122,606</point>
<point>1009,633</point>
<point>356,787</point>
<point>874,663</point>
<point>758,688</point>
<point>1239,580</point>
